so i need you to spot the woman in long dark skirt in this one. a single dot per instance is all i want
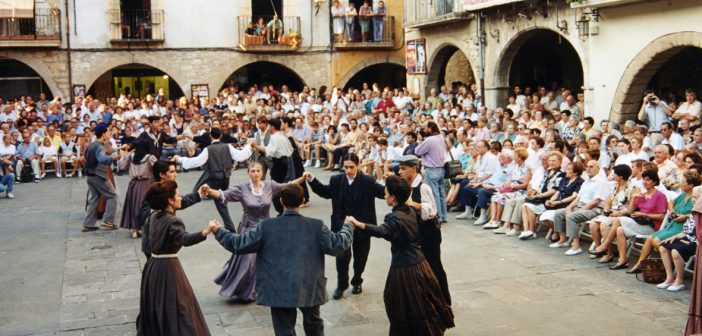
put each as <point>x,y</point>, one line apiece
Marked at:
<point>413,299</point>
<point>168,305</point>
<point>140,171</point>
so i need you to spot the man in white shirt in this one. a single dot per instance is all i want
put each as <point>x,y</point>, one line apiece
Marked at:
<point>278,149</point>
<point>591,197</point>
<point>217,159</point>
<point>488,164</point>
<point>691,109</point>
<point>672,138</point>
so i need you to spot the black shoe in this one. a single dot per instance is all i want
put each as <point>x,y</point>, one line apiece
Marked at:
<point>357,289</point>
<point>88,229</point>
<point>338,293</point>
<point>619,266</point>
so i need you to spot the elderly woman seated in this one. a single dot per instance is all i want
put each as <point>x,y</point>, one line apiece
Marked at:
<point>514,187</point>
<point>676,250</point>
<point>643,217</point>
<point>567,192</point>
<point>619,197</point>
<point>678,213</point>
<point>512,209</point>
<point>534,204</point>
<point>460,181</point>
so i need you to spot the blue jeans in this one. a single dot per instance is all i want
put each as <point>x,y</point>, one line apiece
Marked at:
<point>7,183</point>
<point>434,177</point>
<point>377,30</point>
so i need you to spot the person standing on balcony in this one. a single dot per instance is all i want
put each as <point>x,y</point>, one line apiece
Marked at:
<point>364,17</point>
<point>380,12</point>
<point>338,21</point>
<point>274,29</point>
<point>350,14</point>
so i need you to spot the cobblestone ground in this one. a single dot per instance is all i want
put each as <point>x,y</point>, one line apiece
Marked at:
<point>58,281</point>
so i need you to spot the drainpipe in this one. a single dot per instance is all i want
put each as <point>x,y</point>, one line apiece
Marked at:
<point>68,54</point>
<point>481,68</point>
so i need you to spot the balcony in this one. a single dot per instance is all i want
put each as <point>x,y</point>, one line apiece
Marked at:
<point>383,38</point>
<point>265,35</point>
<point>429,13</point>
<point>141,26</point>
<point>41,31</point>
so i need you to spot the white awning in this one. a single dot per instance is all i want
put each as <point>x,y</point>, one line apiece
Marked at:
<point>475,5</point>
<point>23,9</point>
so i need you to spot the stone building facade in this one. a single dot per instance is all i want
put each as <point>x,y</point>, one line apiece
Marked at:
<point>199,49</point>
<point>611,50</point>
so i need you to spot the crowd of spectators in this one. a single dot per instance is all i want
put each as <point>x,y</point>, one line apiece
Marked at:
<point>540,158</point>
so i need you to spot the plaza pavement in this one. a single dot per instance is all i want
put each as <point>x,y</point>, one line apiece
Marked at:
<point>58,281</point>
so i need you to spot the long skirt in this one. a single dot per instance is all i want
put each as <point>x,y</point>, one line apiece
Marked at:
<point>694,314</point>
<point>414,303</point>
<point>136,191</point>
<point>168,305</point>
<point>238,276</point>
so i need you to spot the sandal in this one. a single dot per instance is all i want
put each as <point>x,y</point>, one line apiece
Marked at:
<point>619,266</point>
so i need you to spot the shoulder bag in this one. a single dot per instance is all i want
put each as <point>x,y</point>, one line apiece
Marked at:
<point>452,168</point>
<point>652,271</point>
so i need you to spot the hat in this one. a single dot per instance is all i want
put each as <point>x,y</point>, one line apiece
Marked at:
<point>100,129</point>
<point>410,160</point>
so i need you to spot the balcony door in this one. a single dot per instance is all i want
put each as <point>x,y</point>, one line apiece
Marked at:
<point>135,16</point>
<point>266,9</point>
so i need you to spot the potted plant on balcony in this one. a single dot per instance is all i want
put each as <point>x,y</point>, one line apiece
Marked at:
<point>294,39</point>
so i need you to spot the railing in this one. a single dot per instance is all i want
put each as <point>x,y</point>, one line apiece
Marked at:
<point>417,11</point>
<point>262,33</point>
<point>136,25</point>
<point>380,33</point>
<point>44,26</point>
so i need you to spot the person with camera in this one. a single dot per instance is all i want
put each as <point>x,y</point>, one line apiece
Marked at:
<point>655,111</point>
<point>218,159</point>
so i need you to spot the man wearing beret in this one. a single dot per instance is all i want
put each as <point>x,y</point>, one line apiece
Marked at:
<point>97,162</point>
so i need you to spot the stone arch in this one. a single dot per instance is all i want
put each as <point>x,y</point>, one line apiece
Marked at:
<point>238,68</point>
<point>636,76</point>
<point>366,63</point>
<point>93,73</point>
<point>40,68</point>
<point>508,54</point>
<point>175,88</point>
<point>439,60</point>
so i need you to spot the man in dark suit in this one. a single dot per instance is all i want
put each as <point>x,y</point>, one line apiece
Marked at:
<point>289,262</point>
<point>352,194</point>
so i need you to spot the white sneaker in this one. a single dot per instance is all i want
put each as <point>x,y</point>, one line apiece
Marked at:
<point>80,173</point>
<point>512,232</point>
<point>492,225</point>
<point>663,285</point>
<point>308,163</point>
<point>500,230</point>
<point>526,235</point>
<point>558,245</point>
<point>319,164</point>
<point>572,252</point>
<point>58,175</point>
<point>676,288</point>
<point>10,195</point>
<point>466,214</point>
<point>484,218</point>
<point>336,166</point>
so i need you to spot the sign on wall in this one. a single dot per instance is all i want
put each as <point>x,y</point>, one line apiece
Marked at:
<point>416,57</point>
<point>201,90</point>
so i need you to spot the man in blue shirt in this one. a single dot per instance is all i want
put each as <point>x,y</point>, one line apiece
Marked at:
<point>655,112</point>
<point>27,154</point>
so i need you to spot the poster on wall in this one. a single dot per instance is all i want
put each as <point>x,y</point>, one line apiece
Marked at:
<point>415,56</point>
<point>79,91</point>
<point>201,90</point>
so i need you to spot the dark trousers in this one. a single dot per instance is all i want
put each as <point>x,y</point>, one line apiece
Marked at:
<point>284,321</point>
<point>359,249</point>
<point>431,247</point>
<point>222,209</point>
<point>339,153</point>
<point>278,173</point>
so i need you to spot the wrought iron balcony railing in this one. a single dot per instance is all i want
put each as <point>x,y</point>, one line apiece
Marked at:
<point>138,25</point>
